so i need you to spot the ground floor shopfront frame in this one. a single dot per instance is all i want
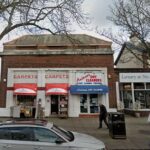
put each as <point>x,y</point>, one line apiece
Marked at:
<point>75,91</point>
<point>133,92</point>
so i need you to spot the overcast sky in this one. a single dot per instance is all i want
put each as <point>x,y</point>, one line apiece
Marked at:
<point>97,9</point>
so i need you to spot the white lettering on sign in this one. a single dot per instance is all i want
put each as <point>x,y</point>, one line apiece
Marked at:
<point>94,77</point>
<point>134,77</point>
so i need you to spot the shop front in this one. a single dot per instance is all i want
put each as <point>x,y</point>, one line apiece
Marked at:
<point>58,94</point>
<point>63,93</point>
<point>135,91</point>
<point>25,96</point>
<point>91,91</point>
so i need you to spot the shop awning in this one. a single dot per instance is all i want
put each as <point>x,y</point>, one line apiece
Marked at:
<point>25,89</point>
<point>88,89</point>
<point>57,89</point>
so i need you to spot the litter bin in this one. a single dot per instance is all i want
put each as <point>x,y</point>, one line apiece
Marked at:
<point>116,122</point>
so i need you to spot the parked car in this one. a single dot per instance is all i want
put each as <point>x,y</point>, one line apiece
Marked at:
<point>42,135</point>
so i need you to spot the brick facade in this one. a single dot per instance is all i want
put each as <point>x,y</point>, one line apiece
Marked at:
<point>59,61</point>
<point>49,51</point>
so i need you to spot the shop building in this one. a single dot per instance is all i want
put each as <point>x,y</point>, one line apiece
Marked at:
<point>69,75</point>
<point>133,86</point>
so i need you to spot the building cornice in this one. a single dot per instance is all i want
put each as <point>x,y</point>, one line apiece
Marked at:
<point>57,52</point>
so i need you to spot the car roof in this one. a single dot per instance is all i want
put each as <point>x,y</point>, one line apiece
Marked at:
<point>22,122</point>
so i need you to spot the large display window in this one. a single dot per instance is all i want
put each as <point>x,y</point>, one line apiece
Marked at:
<point>89,103</point>
<point>126,95</point>
<point>135,92</point>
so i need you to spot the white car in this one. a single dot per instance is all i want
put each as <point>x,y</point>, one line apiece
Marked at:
<point>42,135</point>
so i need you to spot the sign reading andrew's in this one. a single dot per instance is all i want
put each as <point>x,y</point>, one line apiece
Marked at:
<point>134,77</point>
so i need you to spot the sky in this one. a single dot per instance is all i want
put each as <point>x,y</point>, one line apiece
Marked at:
<point>98,11</point>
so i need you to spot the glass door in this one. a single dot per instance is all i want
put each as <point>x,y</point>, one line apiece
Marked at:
<point>54,104</point>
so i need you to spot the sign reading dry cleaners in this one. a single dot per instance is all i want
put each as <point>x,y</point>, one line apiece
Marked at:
<point>90,82</point>
<point>93,77</point>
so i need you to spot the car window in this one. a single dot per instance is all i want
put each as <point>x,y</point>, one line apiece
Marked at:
<point>45,135</point>
<point>21,133</point>
<point>5,134</point>
<point>66,134</point>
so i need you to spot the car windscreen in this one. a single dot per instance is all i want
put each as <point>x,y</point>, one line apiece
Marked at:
<point>66,134</point>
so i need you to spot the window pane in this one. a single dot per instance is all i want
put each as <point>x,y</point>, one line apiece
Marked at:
<point>147,85</point>
<point>93,103</point>
<point>147,99</point>
<point>83,103</point>
<point>5,134</point>
<point>44,135</point>
<point>127,98</point>
<point>142,99</point>
<point>126,86</point>
<point>21,133</point>
<point>138,85</point>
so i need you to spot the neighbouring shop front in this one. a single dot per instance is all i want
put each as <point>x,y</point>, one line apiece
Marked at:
<point>135,91</point>
<point>63,92</point>
<point>90,88</point>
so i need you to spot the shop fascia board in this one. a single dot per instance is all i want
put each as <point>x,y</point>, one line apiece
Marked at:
<point>101,69</point>
<point>56,52</point>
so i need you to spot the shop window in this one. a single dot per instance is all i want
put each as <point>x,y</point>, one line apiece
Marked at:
<point>138,85</point>
<point>89,103</point>
<point>147,85</point>
<point>83,103</point>
<point>26,100</point>
<point>93,103</point>
<point>126,94</point>
<point>127,99</point>
<point>147,99</point>
<point>126,86</point>
<point>142,99</point>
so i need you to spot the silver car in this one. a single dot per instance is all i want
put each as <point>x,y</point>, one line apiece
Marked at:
<point>42,135</point>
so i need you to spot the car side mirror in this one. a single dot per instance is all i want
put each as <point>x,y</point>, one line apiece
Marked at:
<point>59,141</point>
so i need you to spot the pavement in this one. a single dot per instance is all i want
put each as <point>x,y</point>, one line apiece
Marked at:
<point>137,131</point>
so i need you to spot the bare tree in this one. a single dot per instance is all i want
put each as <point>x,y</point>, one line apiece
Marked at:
<point>53,16</point>
<point>133,18</point>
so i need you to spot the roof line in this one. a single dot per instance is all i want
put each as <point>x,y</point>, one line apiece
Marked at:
<point>120,53</point>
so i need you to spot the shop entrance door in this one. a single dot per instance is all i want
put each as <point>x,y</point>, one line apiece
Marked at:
<point>54,104</point>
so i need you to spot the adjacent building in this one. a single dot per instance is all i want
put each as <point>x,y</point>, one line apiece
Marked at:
<point>67,75</point>
<point>133,86</point>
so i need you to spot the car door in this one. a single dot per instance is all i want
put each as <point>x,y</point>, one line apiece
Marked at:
<point>46,139</point>
<point>20,138</point>
<point>4,138</point>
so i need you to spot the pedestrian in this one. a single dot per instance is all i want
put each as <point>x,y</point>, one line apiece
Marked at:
<point>102,115</point>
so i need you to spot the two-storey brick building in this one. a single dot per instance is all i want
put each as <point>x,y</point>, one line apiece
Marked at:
<point>72,74</point>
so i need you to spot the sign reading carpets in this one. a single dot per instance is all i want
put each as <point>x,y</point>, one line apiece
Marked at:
<point>48,76</point>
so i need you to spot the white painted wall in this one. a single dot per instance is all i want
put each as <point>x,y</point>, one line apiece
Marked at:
<point>128,60</point>
<point>5,112</point>
<point>74,106</point>
<point>47,106</point>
